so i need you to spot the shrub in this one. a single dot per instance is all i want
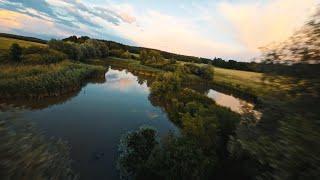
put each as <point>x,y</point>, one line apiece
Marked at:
<point>15,52</point>
<point>40,55</point>
<point>135,148</point>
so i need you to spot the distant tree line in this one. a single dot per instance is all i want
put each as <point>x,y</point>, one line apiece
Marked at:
<point>32,39</point>
<point>280,66</point>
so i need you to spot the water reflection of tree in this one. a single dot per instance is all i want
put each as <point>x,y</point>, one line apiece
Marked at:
<point>26,154</point>
<point>38,104</point>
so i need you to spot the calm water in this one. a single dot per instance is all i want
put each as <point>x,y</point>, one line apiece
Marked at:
<point>94,119</point>
<point>235,104</point>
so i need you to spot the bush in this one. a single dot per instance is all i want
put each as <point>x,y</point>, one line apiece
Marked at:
<point>135,148</point>
<point>15,52</point>
<point>72,50</point>
<point>126,55</point>
<point>42,55</point>
<point>205,72</point>
<point>116,52</point>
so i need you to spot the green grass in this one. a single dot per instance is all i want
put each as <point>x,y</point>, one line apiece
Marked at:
<point>5,43</point>
<point>250,82</point>
<point>44,80</point>
<point>256,84</point>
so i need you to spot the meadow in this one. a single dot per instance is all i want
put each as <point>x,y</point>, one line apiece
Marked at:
<point>5,43</point>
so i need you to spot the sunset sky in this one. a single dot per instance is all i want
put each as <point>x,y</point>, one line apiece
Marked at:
<point>207,28</point>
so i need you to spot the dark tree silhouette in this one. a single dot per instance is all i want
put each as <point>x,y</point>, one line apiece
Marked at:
<point>15,52</point>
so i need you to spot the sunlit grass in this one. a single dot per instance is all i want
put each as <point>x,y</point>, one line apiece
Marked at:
<point>5,43</point>
<point>257,84</point>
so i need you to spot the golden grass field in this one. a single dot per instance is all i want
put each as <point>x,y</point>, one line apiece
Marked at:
<point>5,43</point>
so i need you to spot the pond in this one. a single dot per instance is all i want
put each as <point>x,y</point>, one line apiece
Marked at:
<point>93,120</point>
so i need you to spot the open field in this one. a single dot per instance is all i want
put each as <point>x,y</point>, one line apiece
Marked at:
<point>5,43</point>
<point>256,84</point>
<point>249,82</point>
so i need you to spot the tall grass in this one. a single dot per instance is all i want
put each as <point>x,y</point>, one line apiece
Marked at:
<point>44,80</point>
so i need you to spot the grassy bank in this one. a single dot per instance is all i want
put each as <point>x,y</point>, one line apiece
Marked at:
<point>251,83</point>
<point>129,64</point>
<point>44,80</point>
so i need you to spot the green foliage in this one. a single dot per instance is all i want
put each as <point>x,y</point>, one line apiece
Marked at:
<point>126,55</point>
<point>154,59</point>
<point>72,50</point>
<point>135,148</point>
<point>168,82</point>
<point>201,149</point>
<point>44,80</point>
<point>116,52</point>
<point>177,158</point>
<point>143,56</point>
<point>142,157</point>
<point>15,52</point>
<point>42,55</point>
<point>89,49</point>
<point>75,39</point>
<point>205,72</point>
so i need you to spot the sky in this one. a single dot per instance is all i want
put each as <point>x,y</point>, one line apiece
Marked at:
<point>231,29</point>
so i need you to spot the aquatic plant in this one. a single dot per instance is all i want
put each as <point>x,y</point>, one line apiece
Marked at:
<point>27,154</point>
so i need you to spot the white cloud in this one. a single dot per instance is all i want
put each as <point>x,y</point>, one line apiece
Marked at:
<point>259,24</point>
<point>172,34</point>
<point>224,29</point>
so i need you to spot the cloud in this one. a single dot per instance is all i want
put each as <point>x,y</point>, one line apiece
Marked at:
<point>172,34</point>
<point>254,25</point>
<point>11,20</point>
<point>61,18</point>
<point>207,29</point>
<point>68,12</point>
<point>84,13</point>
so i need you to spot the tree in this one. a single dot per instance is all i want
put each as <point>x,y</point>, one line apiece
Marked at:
<point>126,55</point>
<point>15,52</point>
<point>143,56</point>
<point>135,148</point>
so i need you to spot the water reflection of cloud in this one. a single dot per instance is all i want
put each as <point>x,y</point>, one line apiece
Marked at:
<point>235,104</point>
<point>124,81</point>
<point>152,115</point>
<point>226,100</point>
